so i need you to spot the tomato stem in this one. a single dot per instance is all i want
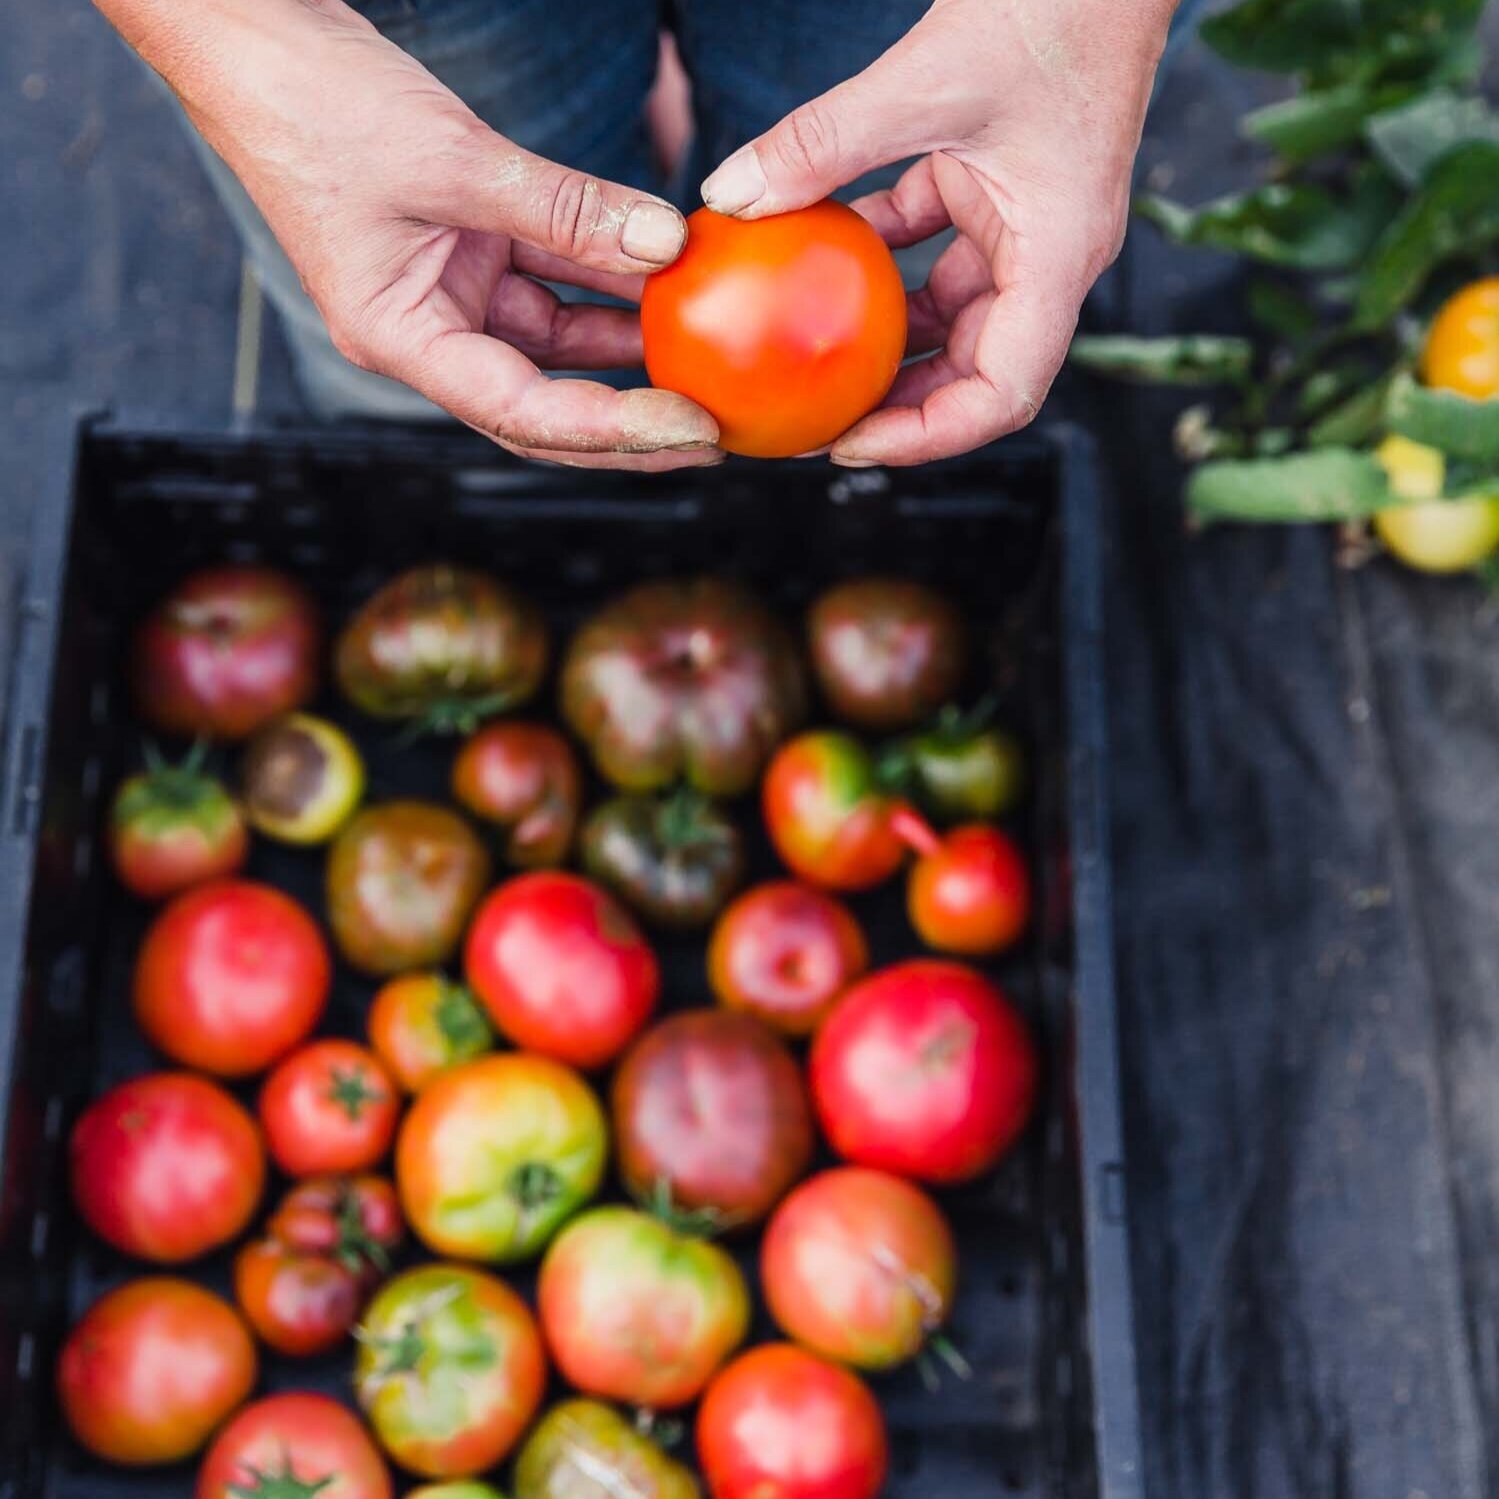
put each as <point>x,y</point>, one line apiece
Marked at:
<point>914,830</point>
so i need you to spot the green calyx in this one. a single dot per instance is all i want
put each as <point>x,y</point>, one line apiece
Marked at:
<point>459,715</point>
<point>691,1223</point>
<point>351,1090</point>
<point>356,1249</point>
<point>460,1020</point>
<point>687,819</point>
<point>535,1186</point>
<point>164,787</point>
<point>282,1485</point>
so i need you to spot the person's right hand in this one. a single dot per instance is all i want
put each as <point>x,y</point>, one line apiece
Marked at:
<point>419,232</point>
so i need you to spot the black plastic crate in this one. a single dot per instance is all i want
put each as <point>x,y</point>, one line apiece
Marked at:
<point>1044,1313</point>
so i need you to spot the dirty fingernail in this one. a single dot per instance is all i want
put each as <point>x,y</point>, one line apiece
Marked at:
<point>737,184</point>
<point>653,232</point>
<point>844,460</point>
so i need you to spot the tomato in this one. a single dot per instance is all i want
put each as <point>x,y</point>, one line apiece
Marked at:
<point>830,820</point>
<point>303,777</point>
<point>523,777</point>
<point>294,1446</point>
<point>676,859</point>
<point>582,1449</point>
<point>1462,346</point>
<point>693,681</point>
<point>711,1117</point>
<point>231,976</point>
<point>958,770</point>
<point>166,1167</point>
<point>173,826</point>
<point>859,1266</point>
<point>781,1424</point>
<point>151,1369</point>
<point>354,1219</point>
<point>969,892</point>
<point>635,1311</point>
<point>227,650</point>
<point>445,646</point>
<point>423,1023</point>
<point>561,968</point>
<point>887,652</point>
<point>496,1153</point>
<point>1434,534</point>
<point>784,953</point>
<point>787,328</point>
<point>298,1304</point>
<point>924,1069</point>
<point>401,881</point>
<point>459,1488</point>
<point>450,1370</point>
<point>330,1106</point>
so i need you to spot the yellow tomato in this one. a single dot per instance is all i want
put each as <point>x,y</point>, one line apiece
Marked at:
<point>1462,348</point>
<point>1415,471</point>
<point>1433,535</point>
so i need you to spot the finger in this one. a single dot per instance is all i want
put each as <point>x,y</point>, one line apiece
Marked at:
<point>562,335</point>
<point>909,212</point>
<point>960,276</point>
<point>545,266</point>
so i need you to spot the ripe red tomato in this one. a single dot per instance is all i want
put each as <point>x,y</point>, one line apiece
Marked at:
<point>859,1266</point>
<point>496,1153</point>
<point>970,892</point>
<point>633,1311</point>
<point>299,1304</point>
<point>784,953</point>
<point>926,1070</point>
<point>227,650</point>
<point>788,328</point>
<point>561,968</point>
<point>422,1023</point>
<point>167,1167</point>
<point>172,827</point>
<point>231,976</point>
<point>779,1422</point>
<point>330,1106</point>
<point>711,1116</point>
<point>450,1370</point>
<point>294,1444</point>
<point>525,778</point>
<point>151,1369</point>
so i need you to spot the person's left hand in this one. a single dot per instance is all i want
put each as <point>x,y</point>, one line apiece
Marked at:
<point>1031,112</point>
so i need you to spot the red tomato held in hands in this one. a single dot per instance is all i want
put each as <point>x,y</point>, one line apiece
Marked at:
<point>331,1106</point>
<point>294,1445</point>
<point>970,892</point>
<point>788,328</point>
<point>167,1167</point>
<point>860,1267</point>
<point>926,1070</point>
<point>781,1424</point>
<point>229,649</point>
<point>173,827</point>
<point>784,953</point>
<point>152,1369</point>
<point>561,968</point>
<point>231,976</point>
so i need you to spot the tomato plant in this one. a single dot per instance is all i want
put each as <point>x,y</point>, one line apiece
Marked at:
<point>1462,345</point>
<point>166,1167</point>
<point>302,779</point>
<point>693,681</point>
<point>496,1153</point>
<point>583,1449</point>
<point>294,1446</point>
<point>173,826</point>
<point>329,1106</point>
<point>635,1311</point>
<point>422,1023</point>
<point>151,1369</point>
<point>787,329</point>
<point>711,1117</point>
<point>450,1370</point>
<point>778,1421</point>
<point>969,891</point>
<point>227,650</point>
<point>523,777</point>
<point>561,969</point>
<point>924,1069</point>
<point>231,976</point>
<point>859,1266</point>
<point>402,879</point>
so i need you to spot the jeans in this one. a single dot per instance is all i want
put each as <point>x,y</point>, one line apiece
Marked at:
<point>568,79</point>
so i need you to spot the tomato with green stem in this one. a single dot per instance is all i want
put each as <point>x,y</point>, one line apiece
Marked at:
<point>969,891</point>
<point>331,1106</point>
<point>524,778</point>
<point>420,1024</point>
<point>353,1219</point>
<point>302,778</point>
<point>583,1449</point>
<point>959,768</point>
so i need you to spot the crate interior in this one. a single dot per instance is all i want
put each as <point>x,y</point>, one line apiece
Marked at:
<point>345,512</point>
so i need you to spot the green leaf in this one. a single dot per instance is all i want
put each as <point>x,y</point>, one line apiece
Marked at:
<point>1458,425</point>
<point>1455,212</point>
<point>1333,484</point>
<point>1320,120</point>
<point>1355,421</point>
<point>1282,311</point>
<point>1189,360</point>
<point>1412,139</point>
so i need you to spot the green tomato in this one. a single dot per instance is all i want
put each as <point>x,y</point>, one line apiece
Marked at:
<point>583,1449</point>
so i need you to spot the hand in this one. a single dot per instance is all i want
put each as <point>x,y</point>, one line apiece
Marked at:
<point>1031,111</point>
<point>419,232</point>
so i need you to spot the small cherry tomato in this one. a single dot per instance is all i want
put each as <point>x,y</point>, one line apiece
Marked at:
<point>523,777</point>
<point>1462,347</point>
<point>1433,534</point>
<point>173,826</point>
<point>583,1449</point>
<point>167,1167</point>
<point>787,329</point>
<point>231,976</point>
<point>302,778</point>
<point>423,1023</point>
<point>958,770</point>
<point>859,1266</point>
<point>561,968</point>
<point>152,1369</point>
<point>331,1106</point>
<point>299,1304</point>
<point>969,891</point>
<point>780,1422</point>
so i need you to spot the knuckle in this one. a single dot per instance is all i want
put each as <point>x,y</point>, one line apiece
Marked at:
<point>575,213</point>
<point>809,143</point>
